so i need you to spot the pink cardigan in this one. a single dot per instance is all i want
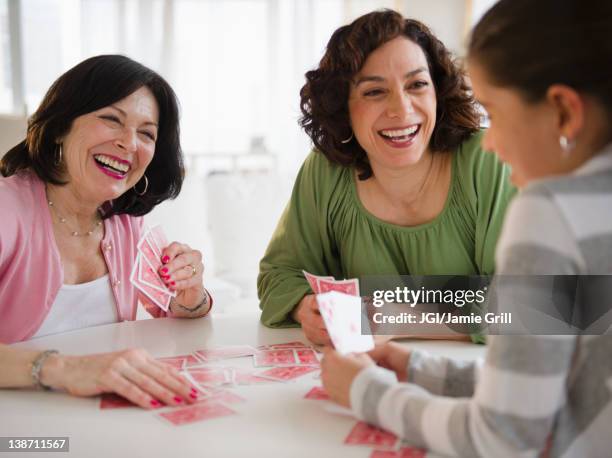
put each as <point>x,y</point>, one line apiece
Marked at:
<point>31,273</point>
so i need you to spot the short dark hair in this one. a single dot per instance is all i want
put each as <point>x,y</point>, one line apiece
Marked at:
<point>324,97</point>
<point>531,45</point>
<point>93,84</point>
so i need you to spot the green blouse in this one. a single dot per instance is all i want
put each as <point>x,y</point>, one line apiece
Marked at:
<point>326,230</point>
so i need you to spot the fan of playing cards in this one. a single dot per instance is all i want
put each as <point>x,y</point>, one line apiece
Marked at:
<point>340,306</point>
<point>145,275</point>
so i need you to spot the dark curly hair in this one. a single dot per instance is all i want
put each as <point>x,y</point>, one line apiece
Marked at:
<point>324,97</point>
<point>95,83</point>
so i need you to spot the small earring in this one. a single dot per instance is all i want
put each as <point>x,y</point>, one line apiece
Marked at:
<point>567,145</point>
<point>348,139</point>
<point>145,189</point>
<point>58,154</point>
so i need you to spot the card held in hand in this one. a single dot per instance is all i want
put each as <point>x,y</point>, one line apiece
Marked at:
<point>145,275</point>
<point>342,316</point>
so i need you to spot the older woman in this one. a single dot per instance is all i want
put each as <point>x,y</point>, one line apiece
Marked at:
<point>398,183</point>
<point>536,395</point>
<point>101,150</point>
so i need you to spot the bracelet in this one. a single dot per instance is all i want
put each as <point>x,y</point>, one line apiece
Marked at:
<point>37,365</point>
<point>197,307</point>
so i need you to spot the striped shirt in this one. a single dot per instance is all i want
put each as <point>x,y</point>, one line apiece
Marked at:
<point>533,394</point>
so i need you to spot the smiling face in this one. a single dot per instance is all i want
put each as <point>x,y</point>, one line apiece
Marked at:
<point>107,151</point>
<point>392,105</point>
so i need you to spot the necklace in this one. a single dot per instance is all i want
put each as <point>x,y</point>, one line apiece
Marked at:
<point>74,233</point>
<point>425,178</point>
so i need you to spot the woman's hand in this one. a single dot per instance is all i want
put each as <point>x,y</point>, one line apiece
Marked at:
<point>338,373</point>
<point>182,271</point>
<point>392,356</point>
<point>133,374</point>
<point>308,315</point>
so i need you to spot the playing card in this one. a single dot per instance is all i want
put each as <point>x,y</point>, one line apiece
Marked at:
<point>208,377</point>
<point>159,298</point>
<point>158,238</point>
<point>155,295</point>
<point>217,354</point>
<point>306,356</point>
<point>284,357</point>
<point>114,401</point>
<point>342,316</point>
<point>146,249</point>
<point>317,393</point>
<point>287,373</point>
<point>196,412</point>
<point>249,377</point>
<point>312,281</point>
<point>404,452</point>
<point>280,346</point>
<point>147,275</point>
<point>174,361</point>
<point>192,360</point>
<point>364,434</point>
<point>350,287</point>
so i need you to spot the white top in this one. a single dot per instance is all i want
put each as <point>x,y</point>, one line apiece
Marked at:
<point>80,306</point>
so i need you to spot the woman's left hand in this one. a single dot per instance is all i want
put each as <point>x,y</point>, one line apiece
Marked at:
<point>182,271</point>
<point>338,373</point>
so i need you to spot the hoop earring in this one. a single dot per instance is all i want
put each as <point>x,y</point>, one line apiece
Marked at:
<point>58,154</point>
<point>567,146</point>
<point>348,139</point>
<point>145,189</point>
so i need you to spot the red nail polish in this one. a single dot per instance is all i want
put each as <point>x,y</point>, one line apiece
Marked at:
<point>178,400</point>
<point>193,395</point>
<point>194,391</point>
<point>165,277</point>
<point>155,403</point>
<point>165,259</point>
<point>172,283</point>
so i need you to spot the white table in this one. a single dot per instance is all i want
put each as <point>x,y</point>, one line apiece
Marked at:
<point>276,420</point>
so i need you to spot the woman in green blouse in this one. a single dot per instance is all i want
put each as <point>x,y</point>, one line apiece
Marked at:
<point>398,183</point>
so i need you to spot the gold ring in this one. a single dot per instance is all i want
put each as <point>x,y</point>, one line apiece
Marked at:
<point>192,268</point>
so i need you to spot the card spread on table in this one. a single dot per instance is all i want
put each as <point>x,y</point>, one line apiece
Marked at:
<point>284,357</point>
<point>114,401</point>
<point>317,393</point>
<point>342,316</point>
<point>181,361</point>
<point>196,412</point>
<point>145,275</point>
<point>175,361</point>
<point>306,356</point>
<point>364,434</point>
<point>280,346</point>
<point>243,376</point>
<point>208,377</point>
<point>288,372</point>
<point>221,353</point>
<point>404,452</point>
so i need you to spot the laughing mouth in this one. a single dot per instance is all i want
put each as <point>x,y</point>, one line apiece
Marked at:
<point>112,164</point>
<point>400,135</point>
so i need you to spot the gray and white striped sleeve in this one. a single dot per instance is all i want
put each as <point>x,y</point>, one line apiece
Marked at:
<point>443,376</point>
<point>521,385</point>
